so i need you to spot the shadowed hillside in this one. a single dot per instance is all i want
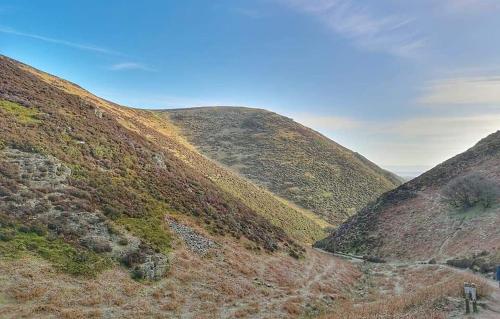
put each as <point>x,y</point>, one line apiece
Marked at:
<point>452,211</point>
<point>287,158</point>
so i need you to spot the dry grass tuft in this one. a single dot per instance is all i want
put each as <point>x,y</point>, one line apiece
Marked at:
<point>423,302</point>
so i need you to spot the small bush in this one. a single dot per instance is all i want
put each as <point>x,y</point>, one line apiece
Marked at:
<point>6,235</point>
<point>483,266</point>
<point>132,258</point>
<point>463,263</point>
<point>123,241</point>
<point>374,259</point>
<point>38,229</point>
<point>138,273</point>
<point>24,229</point>
<point>471,190</point>
<point>97,244</point>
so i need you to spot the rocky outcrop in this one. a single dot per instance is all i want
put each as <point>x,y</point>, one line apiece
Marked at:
<point>35,189</point>
<point>194,241</point>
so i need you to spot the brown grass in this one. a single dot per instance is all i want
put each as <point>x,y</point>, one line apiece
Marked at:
<point>420,303</point>
<point>197,287</point>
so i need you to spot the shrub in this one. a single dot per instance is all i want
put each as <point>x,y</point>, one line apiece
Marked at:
<point>471,190</point>
<point>374,259</point>
<point>463,263</point>
<point>97,244</point>
<point>6,235</point>
<point>132,258</point>
<point>123,241</point>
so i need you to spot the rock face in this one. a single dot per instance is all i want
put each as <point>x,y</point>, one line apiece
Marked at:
<point>153,268</point>
<point>416,220</point>
<point>35,188</point>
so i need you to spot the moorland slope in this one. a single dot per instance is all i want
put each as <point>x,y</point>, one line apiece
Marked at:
<point>449,212</point>
<point>287,158</point>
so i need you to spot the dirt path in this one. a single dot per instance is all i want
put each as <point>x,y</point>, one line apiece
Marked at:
<point>489,308</point>
<point>493,306</point>
<point>451,236</point>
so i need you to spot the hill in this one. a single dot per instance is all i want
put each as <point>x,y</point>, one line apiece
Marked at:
<point>288,159</point>
<point>100,178</point>
<point>450,212</point>
<point>108,212</point>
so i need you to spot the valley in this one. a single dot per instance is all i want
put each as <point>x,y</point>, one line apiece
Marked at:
<point>108,211</point>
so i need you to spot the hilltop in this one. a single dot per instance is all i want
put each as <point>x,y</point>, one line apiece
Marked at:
<point>451,212</point>
<point>289,159</point>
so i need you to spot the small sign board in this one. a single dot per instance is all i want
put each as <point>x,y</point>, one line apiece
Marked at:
<point>470,291</point>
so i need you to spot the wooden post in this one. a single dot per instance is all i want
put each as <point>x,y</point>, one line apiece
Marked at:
<point>473,296</point>
<point>466,296</point>
<point>470,294</point>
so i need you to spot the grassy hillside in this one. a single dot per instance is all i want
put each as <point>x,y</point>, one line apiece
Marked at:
<point>288,159</point>
<point>419,221</point>
<point>101,178</point>
<point>296,222</point>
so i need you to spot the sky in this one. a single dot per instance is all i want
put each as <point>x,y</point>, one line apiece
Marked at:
<point>407,84</point>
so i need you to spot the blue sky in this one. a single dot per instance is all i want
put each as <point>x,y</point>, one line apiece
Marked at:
<point>405,83</point>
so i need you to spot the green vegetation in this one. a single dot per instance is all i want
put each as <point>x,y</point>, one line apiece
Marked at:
<point>23,115</point>
<point>472,190</point>
<point>151,229</point>
<point>18,240</point>
<point>484,262</point>
<point>128,166</point>
<point>290,160</point>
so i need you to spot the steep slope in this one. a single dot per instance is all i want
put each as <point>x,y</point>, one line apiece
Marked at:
<point>418,220</point>
<point>100,178</point>
<point>298,223</point>
<point>287,158</point>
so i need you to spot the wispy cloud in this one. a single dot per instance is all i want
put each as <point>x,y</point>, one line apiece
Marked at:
<point>474,90</point>
<point>131,66</point>
<point>86,47</point>
<point>392,34</point>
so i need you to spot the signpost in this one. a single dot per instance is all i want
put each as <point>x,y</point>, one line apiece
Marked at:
<point>470,292</point>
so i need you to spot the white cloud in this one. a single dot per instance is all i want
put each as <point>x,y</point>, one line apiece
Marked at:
<point>128,66</point>
<point>391,34</point>
<point>475,90</point>
<point>86,47</point>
